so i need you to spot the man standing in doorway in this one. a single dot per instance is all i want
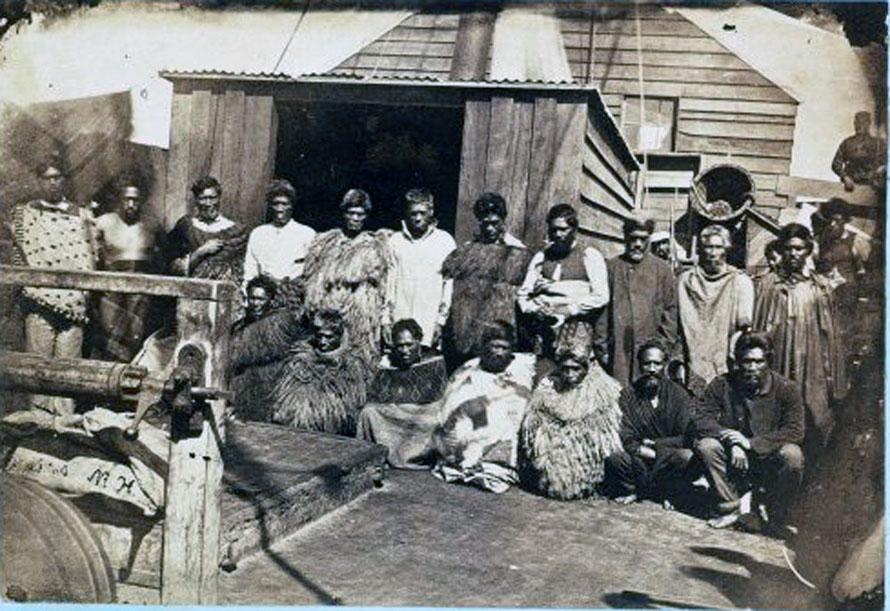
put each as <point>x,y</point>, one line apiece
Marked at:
<point>643,303</point>
<point>419,291</point>
<point>715,300</point>
<point>53,232</point>
<point>277,249</point>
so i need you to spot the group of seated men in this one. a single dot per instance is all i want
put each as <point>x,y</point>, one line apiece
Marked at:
<point>492,363</point>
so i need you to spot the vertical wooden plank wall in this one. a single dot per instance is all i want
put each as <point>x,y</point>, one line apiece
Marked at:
<point>229,134</point>
<point>525,148</point>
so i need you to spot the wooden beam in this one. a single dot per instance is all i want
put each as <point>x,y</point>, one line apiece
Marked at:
<point>795,187</point>
<point>473,160</point>
<point>191,553</point>
<point>472,46</point>
<point>118,282</point>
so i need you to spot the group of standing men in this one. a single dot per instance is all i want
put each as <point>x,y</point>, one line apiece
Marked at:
<point>590,375</point>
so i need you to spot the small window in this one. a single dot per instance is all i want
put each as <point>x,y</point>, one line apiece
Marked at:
<point>656,132</point>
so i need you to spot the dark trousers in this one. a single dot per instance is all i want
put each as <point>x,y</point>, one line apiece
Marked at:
<point>668,475</point>
<point>776,475</point>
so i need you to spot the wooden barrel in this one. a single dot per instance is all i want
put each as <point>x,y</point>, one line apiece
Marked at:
<point>722,193</point>
<point>50,550</point>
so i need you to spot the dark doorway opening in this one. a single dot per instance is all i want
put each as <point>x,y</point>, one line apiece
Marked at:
<point>326,149</point>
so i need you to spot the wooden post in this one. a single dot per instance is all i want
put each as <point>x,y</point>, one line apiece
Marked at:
<point>190,563</point>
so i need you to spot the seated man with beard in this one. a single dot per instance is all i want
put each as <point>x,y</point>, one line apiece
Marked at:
<point>402,410</point>
<point>480,413</point>
<point>571,427</point>
<point>321,386</point>
<point>656,412</point>
<point>260,341</point>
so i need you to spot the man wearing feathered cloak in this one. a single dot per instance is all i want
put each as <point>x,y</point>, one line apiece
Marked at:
<point>348,269</point>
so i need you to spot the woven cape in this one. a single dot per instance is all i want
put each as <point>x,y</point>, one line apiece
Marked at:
<point>566,437</point>
<point>486,278</point>
<point>351,275</point>
<point>319,391</point>
<point>421,383</point>
<point>58,240</point>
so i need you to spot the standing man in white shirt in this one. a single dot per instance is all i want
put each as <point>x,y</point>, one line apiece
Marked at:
<point>418,289</point>
<point>278,249</point>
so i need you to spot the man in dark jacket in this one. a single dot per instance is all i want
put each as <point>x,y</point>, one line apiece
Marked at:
<point>656,413</point>
<point>642,303</point>
<point>749,427</point>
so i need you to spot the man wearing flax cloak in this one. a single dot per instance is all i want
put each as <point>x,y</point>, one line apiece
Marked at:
<point>487,273</point>
<point>793,306</point>
<point>348,269</point>
<point>54,233</point>
<point>403,408</point>
<point>322,382</point>
<point>207,244</point>
<point>715,301</point>
<point>273,323</point>
<point>571,426</point>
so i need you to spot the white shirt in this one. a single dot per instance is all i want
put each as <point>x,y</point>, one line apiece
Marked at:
<point>278,252</point>
<point>418,289</point>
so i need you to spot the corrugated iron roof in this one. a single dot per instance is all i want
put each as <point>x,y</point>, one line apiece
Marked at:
<point>340,76</point>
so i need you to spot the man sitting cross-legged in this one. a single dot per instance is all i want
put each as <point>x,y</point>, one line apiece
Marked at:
<point>656,413</point>
<point>481,411</point>
<point>403,410</point>
<point>272,324</point>
<point>571,426</point>
<point>749,427</point>
<point>321,386</point>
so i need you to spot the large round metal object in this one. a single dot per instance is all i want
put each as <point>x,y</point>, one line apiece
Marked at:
<point>50,550</point>
<point>722,192</point>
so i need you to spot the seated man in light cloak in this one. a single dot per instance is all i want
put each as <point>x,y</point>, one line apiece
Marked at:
<point>403,399</point>
<point>481,412</point>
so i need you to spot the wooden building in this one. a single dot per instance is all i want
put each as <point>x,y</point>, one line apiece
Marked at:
<point>574,134</point>
<point>537,144</point>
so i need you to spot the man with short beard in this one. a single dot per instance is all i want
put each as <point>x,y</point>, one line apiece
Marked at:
<point>749,427</point>
<point>566,283</point>
<point>656,413</point>
<point>794,308</point>
<point>481,410</point>
<point>570,428</point>
<point>127,243</point>
<point>642,303</point>
<point>402,411</point>
<point>715,300</point>
<point>206,244</point>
